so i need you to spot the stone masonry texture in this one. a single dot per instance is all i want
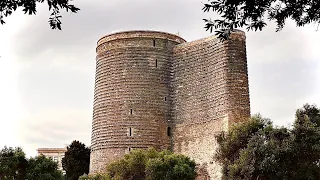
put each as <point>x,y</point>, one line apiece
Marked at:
<point>154,89</point>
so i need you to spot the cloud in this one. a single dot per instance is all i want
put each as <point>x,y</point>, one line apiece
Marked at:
<point>47,86</point>
<point>289,44</point>
<point>97,18</point>
<point>54,127</point>
<point>283,71</point>
<point>277,89</point>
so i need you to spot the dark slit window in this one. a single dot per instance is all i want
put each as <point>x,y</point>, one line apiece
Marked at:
<point>130,111</point>
<point>130,132</point>
<point>165,98</point>
<point>154,43</point>
<point>169,131</point>
<point>156,63</point>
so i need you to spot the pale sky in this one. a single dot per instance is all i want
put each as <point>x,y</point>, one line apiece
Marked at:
<point>47,76</point>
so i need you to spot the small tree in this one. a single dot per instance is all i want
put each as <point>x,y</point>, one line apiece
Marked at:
<point>43,168</point>
<point>76,160</point>
<point>152,165</point>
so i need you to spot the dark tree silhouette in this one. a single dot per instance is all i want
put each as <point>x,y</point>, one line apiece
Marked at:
<point>76,160</point>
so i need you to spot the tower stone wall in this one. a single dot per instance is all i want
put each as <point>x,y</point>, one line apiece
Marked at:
<point>154,89</point>
<point>132,102</point>
<point>210,92</point>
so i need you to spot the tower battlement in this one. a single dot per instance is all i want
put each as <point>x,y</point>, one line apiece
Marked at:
<point>154,89</point>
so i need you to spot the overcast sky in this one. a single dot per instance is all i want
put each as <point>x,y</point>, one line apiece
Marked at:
<point>47,76</point>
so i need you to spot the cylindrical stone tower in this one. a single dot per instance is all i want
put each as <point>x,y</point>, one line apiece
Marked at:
<point>132,96</point>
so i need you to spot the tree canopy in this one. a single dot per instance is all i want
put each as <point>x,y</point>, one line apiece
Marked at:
<point>152,165</point>
<point>43,168</point>
<point>76,160</point>
<point>253,14</point>
<point>7,7</point>
<point>14,165</point>
<point>258,150</point>
<point>95,177</point>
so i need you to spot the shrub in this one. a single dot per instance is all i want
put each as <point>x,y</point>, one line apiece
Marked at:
<point>152,165</point>
<point>95,177</point>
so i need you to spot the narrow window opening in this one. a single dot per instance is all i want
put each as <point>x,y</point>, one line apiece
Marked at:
<point>129,149</point>
<point>165,98</point>
<point>154,43</point>
<point>169,131</point>
<point>156,63</point>
<point>130,132</point>
<point>130,111</point>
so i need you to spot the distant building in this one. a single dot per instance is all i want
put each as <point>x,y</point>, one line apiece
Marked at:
<point>56,154</point>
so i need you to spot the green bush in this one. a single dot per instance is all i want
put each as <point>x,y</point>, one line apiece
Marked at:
<point>152,165</point>
<point>95,177</point>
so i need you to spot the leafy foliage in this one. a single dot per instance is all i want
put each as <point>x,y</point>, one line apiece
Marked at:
<point>76,160</point>
<point>257,150</point>
<point>95,177</point>
<point>43,168</point>
<point>253,14</point>
<point>7,7</point>
<point>237,138</point>
<point>13,163</point>
<point>152,165</point>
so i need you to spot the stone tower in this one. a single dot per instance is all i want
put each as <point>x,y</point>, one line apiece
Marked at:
<point>132,102</point>
<point>154,89</point>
